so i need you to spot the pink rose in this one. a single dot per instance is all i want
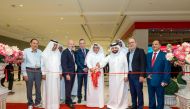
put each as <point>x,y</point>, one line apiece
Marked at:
<point>169,56</point>
<point>176,52</point>
<point>181,56</point>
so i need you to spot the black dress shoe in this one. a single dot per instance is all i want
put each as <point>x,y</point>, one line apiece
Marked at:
<point>79,100</point>
<point>71,106</point>
<point>73,102</point>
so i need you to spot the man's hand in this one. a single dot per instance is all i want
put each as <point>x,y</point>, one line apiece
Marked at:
<point>85,69</point>
<point>61,76</point>
<point>44,77</point>
<point>98,65</point>
<point>149,76</point>
<point>125,79</point>
<point>141,79</point>
<point>68,77</point>
<point>92,69</point>
<point>163,84</point>
<point>25,78</point>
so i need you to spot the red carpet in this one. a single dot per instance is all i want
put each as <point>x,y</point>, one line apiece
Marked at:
<point>24,106</point>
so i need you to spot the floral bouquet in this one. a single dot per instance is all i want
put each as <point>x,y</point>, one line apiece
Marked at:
<point>95,74</point>
<point>179,55</point>
<point>10,54</point>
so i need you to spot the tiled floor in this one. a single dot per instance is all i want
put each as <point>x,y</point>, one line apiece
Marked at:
<point>20,93</point>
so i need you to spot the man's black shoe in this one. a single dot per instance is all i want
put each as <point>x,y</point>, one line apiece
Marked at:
<point>73,102</point>
<point>71,106</point>
<point>79,100</point>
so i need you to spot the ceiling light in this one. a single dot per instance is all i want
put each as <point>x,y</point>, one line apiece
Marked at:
<point>61,18</point>
<point>21,5</point>
<point>15,5</point>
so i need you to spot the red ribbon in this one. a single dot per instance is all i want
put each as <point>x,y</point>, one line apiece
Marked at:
<point>95,76</point>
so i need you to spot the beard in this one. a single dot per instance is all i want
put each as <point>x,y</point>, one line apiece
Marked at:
<point>115,51</point>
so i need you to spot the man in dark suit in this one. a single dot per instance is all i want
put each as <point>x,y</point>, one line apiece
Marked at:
<point>136,62</point>
<point>68,69</point>
<point>158,75</point>
<point>81,68</point>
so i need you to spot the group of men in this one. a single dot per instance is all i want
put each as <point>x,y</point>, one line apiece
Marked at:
<point>126,66</point>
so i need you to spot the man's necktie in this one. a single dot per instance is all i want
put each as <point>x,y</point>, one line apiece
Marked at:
<point>153,59</point>
<point>72,53</point>
<point>83,50</point>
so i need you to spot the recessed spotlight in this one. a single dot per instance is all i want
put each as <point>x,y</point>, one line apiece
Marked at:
<point>21,5</point>
<point>61,18</point>
<point>15,5</point>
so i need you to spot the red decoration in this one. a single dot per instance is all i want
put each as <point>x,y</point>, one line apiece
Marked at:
<point>95,76</point>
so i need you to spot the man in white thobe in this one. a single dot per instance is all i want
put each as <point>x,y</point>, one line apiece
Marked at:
<point>95,95</point>
<point>118,85</point>
<point>123,49</point>
<point>51,68</point>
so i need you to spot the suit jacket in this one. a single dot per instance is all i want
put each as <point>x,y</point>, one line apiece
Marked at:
<point>160,72</point>
<point>67,62</point>
<point>138,62</point>
<point>80,60</point>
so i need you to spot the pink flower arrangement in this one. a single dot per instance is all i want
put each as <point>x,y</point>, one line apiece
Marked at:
<point>179,55</point>
<point>10,54</point>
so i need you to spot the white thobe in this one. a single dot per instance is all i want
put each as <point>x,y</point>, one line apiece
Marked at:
<point>118,88</point>
<point>95,96</point>
<point>62,93</point>
<point>51,67</point>
<point>124,50</point>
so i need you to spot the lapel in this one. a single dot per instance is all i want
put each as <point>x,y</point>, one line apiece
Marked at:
<point>71,56</point>
<point>128,57</point>
<point>134,55</point>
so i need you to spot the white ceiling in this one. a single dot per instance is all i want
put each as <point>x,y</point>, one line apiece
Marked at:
<point>99,21</point>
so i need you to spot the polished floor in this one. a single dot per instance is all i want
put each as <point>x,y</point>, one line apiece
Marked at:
<point>19,88</point>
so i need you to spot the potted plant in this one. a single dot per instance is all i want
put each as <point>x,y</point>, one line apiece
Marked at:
<point>170,97</point>
<point>181,56</point>
<point>181,82</point>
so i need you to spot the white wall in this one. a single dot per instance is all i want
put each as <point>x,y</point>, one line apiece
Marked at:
<point>141,36</point>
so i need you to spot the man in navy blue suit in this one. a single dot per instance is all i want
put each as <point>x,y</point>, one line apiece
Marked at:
<point>158,75</point>
<point>68,69</point>
<point>81,68</point>
<point>137,66</point>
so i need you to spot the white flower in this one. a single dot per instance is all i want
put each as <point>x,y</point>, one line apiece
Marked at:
<point>185,44</point>
<point>15,48</point>
<point>187,58</point>
<point>8,50</point>
<point>169,56</point>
